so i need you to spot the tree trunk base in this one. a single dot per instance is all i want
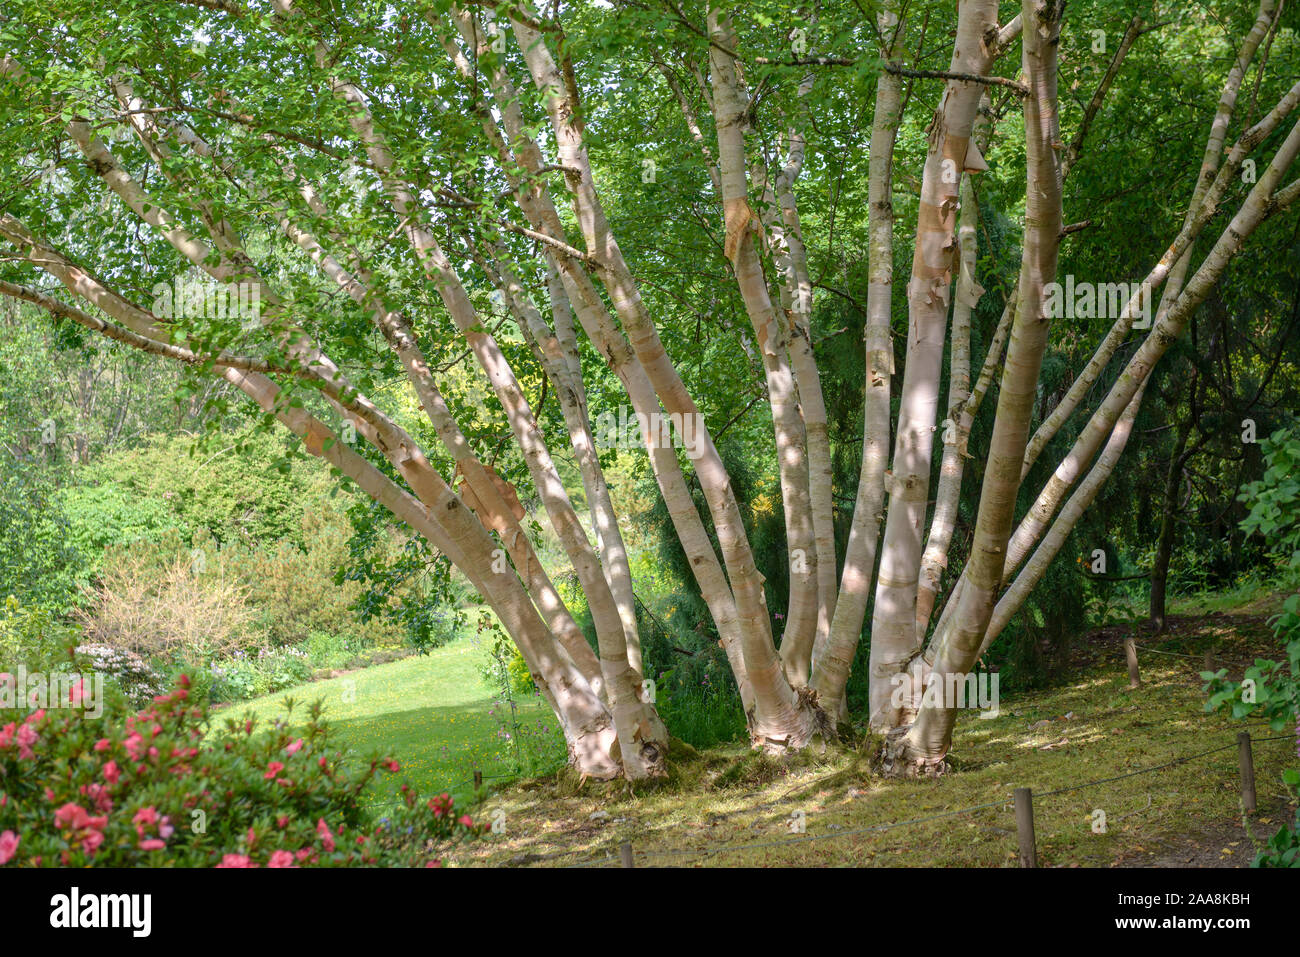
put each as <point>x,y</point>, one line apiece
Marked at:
<point>897,760</point>
<point>593,752</point>
<point>808,725</point>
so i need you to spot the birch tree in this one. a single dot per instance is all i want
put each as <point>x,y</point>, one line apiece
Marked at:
<point>388,192</point>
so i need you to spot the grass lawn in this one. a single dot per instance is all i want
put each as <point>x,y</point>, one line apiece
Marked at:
<point>435,713</point>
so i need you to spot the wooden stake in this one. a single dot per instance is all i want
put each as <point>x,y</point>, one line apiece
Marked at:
<point>1247,762</point>
<point>1131,653</point>
<point>1025,827</point>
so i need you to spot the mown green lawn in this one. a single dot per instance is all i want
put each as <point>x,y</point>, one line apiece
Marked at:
<point>435,713</point>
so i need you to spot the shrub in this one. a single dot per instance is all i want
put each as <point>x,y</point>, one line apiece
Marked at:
<point>31,635</point>
<point>106,517</point>
<point>1271,689</point>
<point>1274,500</point>
<point>153,789</point>
<point>296,590</point>
<point>243,621</point>
<point>230,489</point>
<point>38,565</point>
<point>162,601</point>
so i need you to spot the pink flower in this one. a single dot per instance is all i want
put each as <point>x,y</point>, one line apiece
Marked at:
<point>7,735</point>
<point>153,844</point>
<point>272,769</point>
<point>133,743</point>
<point>392,765</point>
<point>294,748</point>
<point>112,772</point>
<point>26,738</point>
<point>326,838</point>
<point>8,846</point>
<point>236,860</point>
<point>165,829</point>
<point>102,744</point>
<point>71,815</point>
<point>145,816</point>
<point>466,821</point>
<point>77,692</point>
<point>98,795</point>
<point>90,843</point>
<point>281,859</point>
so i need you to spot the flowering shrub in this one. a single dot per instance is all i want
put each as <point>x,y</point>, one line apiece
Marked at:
<point>139,682</point>
<point>153,788</point>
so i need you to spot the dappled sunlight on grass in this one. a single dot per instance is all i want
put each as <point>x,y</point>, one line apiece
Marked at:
<point>731,807</point>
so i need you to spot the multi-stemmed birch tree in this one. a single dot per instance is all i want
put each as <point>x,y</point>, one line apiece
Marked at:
<point>333,205</point>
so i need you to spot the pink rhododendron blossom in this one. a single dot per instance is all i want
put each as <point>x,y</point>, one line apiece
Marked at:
<point>8,846</point>
<point>98,795</point>
<point>26,737</point>
<point>70,815</point>
<point>326,838</point>
<point>145,816</point>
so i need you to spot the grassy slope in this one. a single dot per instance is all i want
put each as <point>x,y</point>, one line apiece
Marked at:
<point>433,712</point>
<point>729,798</point>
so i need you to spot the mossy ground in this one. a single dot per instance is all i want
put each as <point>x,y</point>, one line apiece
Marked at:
<point>732,807</point>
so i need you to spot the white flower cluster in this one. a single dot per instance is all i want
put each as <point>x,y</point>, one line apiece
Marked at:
<point>140,682</point>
